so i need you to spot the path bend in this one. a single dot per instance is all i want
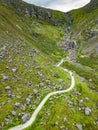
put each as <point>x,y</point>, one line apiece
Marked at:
<point>34,115</point>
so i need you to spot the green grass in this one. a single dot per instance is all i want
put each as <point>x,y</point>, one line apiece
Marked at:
<point>89,61</point>
<point>84,72</point>
<point>22,35</point>
<point>61,109</point>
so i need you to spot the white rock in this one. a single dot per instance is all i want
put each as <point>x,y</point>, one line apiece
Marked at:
<point>87,111</point>
<point>79,126</point>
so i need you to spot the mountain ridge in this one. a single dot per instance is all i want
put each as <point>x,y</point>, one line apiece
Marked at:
<point>48,15</point>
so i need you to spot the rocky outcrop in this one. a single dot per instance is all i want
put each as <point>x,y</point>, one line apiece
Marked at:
<point>48,15</point>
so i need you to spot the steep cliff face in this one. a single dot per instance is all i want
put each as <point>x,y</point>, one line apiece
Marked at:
<point>50,16</point>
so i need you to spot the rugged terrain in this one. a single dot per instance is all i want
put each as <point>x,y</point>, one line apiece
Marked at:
<point>32,41</point>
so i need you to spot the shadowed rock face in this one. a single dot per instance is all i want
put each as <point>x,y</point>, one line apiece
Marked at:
<point>48,15</point>
<point>92,5</point>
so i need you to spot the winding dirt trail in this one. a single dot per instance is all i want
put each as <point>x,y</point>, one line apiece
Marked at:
<point>34,115</point>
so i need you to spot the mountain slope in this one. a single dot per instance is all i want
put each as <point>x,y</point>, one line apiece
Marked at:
<point>84,31</point>
<point>30,45</point>
<point>50,16</point>
<point>85,24</point>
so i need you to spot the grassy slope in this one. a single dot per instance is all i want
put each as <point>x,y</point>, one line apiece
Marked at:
<point>21,36</point>
<point>82,22</point>
<point>61,109</point>
<point>85,24</point>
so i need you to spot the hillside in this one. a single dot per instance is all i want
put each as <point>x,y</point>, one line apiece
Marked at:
<point>85,24</point>
<point>83,29</point>
<point>32,41</point>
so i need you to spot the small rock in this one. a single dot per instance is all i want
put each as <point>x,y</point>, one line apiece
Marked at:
<point>60,80</point>
<point>5,78</point>
<point>18,97</point>
<point>79,126</point>
<point>79,109</point>
<point>3,103</point>
<point>65,119</point>
<point>39,74</point>
<point>48,82</point>
<point>9,100</point>
<point>8,88</point>
<point>42,123</point>
<point>82,79</point>
<point>97,122</point>
<point>35,91</point>
<point>23,107</point>
<point>14,113</point>
<point>80,102</point>
<point>51,102</point>
<point>8,121</point>
<point>13,95</point>
<point>28,101</point>
<point>56,123</point>
<point>17,104</point>
<point>14,69</point>
<point>90,80</point>
<point>30,71</point>
<point>62,127</point>
<point>87,111</point>
<point>25,117</point>
<point>86,98</point>
<point>30,96</point>
<point>21,114</point>
<point>40,84</point>
<point>29,83</point>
